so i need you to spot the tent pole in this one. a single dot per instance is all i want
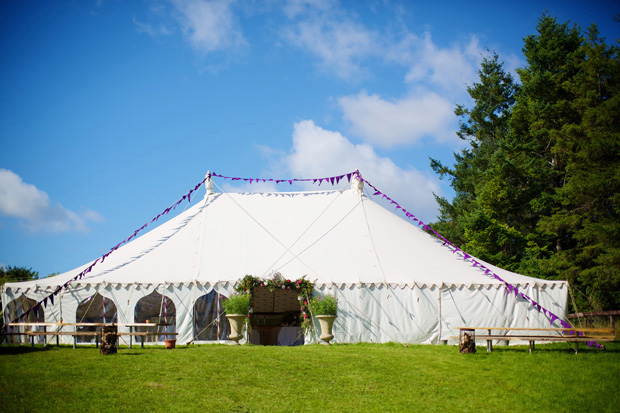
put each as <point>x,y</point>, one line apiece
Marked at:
<point>439,312</point>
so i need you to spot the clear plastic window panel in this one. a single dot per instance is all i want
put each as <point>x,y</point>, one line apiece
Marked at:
<point>210,323</point>
<point>156,309</point>
<point>94,309</point>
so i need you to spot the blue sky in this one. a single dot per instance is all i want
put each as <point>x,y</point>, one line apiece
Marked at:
<point>111,110</point>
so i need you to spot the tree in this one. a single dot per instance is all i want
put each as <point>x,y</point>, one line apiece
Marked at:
<point>565,138</point>
<point>469,220</point>
<point>586,217</point>
<point>12,274</point>
<point>538,191</point>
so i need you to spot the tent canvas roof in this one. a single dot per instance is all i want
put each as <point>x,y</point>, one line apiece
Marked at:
<point>338,236</point>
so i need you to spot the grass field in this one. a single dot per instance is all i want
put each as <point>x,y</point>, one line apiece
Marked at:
<point>353,378</point>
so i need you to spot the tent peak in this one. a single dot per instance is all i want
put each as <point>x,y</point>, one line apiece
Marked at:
<point>209,183</point>
<point>357,184</point>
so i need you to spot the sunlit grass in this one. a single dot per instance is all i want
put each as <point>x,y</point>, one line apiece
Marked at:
<point>360,377</point>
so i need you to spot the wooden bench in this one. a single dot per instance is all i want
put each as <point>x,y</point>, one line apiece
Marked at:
<point>96,334</point>
<point>569,335</point>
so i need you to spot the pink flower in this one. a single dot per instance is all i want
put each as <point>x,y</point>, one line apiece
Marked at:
<point>262,285</point>
<point>305,316</point>
<point>305,303</point>
<point>288,281</point>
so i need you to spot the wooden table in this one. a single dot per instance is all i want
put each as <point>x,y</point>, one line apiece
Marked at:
<point>143,334</point>
<point>95,334</point>
<point>571,335</point>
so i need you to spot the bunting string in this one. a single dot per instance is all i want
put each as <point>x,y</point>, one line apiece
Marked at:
<point>82,274</point>
<point>509,288</point>
<point>333,180</point>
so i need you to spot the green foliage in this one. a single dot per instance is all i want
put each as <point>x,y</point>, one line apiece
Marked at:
<point>301,286</point>
<point>238,304</point>
<point>324,305</point>
<point>340,378</point>
<point>538,191</point>
<point>16,274</point>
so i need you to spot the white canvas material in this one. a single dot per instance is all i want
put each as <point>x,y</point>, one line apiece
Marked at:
<point>394,281</point>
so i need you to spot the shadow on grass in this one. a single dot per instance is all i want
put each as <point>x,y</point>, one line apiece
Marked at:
<point>8,349</point>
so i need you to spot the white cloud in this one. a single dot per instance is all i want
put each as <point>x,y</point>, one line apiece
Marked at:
<point>340,44</point>
<point>317,152</point>
<point>451,68</point>
<point>33,206</point>
<point>150,29</point>
<point>209,25</point>
<point>403,121</point>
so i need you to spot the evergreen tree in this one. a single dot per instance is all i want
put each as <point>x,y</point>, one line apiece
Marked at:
<point>538,191</point>
<point>586,218</point>
<point>469,221</point>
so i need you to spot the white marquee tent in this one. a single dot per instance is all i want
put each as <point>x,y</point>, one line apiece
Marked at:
<point>394,281</point>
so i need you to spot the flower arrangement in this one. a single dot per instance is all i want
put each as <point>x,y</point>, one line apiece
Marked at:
<point>326,305</point>
<point>301,286</point>
<point>276,282</point>
<point>238,303</point>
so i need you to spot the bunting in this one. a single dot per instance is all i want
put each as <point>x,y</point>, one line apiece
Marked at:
<point>50,297</point>
<point>509,288</point>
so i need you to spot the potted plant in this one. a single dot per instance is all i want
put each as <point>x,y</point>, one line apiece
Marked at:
<point>237,311</point>
<point>170,343</point>
<point>325,310</point>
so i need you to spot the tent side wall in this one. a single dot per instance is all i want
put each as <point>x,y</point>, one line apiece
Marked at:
<point>367,313</point>
<point>124,297</point>
<point>429,315</point>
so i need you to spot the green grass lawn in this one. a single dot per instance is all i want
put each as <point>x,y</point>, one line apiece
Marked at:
<point>362,377</point>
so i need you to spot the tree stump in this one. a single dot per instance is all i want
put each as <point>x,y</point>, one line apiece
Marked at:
<point>467,344</point>
<point>108,339</point>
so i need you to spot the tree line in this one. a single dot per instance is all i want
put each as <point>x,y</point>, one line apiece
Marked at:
<point>537,190</point>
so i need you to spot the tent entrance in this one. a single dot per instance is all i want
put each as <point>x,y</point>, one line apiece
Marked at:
<point>276,318</point>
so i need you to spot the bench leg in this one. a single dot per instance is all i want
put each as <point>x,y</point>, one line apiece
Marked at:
<point>142,342</point>
<point>74,341</point>
<point>32,341</point>
<point>489,346</point>
<point>531,346</point>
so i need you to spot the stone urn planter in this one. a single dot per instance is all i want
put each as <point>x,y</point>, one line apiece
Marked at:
<point>326,322</point>
<point>170,343</point>
<point>236,326</point>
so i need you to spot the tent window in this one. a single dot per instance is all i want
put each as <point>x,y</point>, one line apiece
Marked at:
<point>15,309</point>
<point>94,309</point>
<point>156,308</point>
<point>209,321</point>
